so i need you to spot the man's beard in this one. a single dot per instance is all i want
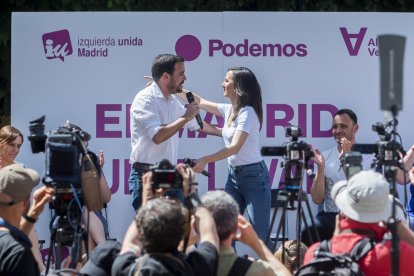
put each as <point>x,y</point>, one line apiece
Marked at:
<point>178,89</point>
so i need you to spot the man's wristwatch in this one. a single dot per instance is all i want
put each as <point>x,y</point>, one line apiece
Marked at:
<point>29,219</point>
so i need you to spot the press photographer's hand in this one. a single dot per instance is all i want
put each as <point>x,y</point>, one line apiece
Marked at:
<point>246,234</point>
<point>188,178</point>
<point>147,191</point>
<point>41,196</point>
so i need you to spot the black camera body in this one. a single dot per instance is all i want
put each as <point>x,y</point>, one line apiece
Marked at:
<point>67,165</point>
<point>165,175</point>
<point>386,151</point>
<point>352,163</point>
<point>63,150</point>
<point>296,154</point>
<point>292,151</point>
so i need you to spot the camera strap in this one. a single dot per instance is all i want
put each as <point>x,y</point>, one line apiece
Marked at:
<point>192,201</point>
<point>16,233</point>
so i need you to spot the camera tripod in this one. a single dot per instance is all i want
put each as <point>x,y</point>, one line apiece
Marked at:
<point>66,230</point>
<point>286,198</point>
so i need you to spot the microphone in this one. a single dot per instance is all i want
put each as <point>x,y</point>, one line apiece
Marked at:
<point>192,163</point>
<point>190,99</point>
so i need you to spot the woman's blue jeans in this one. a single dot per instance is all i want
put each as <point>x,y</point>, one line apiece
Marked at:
<point>249,185</point>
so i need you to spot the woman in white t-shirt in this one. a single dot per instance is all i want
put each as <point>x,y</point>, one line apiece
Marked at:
<point>248,176</point>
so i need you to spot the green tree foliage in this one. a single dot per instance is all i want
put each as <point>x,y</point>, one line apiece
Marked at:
<point>9,6</point>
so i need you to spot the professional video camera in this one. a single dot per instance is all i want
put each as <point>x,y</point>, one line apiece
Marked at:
<point>387,152</point>
<point>165,175</point>
<point>70,171</point>
<point>296,153</point>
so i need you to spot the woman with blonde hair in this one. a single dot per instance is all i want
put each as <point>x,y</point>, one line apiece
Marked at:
<point>289,256</point>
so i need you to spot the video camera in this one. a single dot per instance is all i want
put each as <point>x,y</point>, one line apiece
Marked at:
<point>165,175</point>
<point>69,169</point>
<point>387,152</point>
<point>296,153</point>
<point>291,151</point>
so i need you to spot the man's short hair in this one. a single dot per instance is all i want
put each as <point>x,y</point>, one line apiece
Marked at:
<point>349,112</point>
<point>224,210</point>
<point>160,224</point>
<point>164,63</point>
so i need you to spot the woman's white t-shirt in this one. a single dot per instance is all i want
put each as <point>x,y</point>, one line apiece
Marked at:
<point>246,121</point>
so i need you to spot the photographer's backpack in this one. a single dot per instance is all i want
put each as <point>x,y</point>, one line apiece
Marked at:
<point>327,263</point>
<point>240,266</point>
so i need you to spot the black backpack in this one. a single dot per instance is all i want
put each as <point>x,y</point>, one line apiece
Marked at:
<point>327,263</point>
<point>240,267</point>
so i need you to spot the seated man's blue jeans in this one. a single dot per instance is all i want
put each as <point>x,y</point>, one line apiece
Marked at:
<point>324,224</point>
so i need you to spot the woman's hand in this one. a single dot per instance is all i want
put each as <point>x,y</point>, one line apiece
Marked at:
<point>200,164</point>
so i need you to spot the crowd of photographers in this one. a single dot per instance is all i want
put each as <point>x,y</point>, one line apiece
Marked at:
<point>175,232</point>
<point>189,236</point>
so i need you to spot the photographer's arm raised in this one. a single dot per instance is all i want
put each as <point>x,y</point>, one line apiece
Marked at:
<point>206,226</point>
<point>131,242</point>
<point>248,236</point>
<point>40,197</point>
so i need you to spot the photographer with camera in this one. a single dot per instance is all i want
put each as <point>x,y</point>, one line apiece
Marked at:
<point>156,117</point>
<point>16,184</point>
<point>158,229</point>
<point>365,206</point>
<point>331,170</point>
<point>75,175</point>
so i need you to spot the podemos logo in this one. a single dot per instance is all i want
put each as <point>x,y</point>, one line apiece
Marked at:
<point>57,44</point>
<point>189,47</point>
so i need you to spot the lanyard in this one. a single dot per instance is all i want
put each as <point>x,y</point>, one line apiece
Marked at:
<point>15,232</point>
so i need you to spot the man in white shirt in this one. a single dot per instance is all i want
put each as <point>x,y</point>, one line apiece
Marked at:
<point>156,118</point>
<point>330,171</point>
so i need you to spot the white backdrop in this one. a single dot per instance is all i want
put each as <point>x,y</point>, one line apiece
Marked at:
<point>308,72</point>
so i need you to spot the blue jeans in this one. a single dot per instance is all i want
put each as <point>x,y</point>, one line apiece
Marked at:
<point>135,188</point>
<point>324,224</point>
<point>249,185</point>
